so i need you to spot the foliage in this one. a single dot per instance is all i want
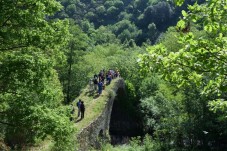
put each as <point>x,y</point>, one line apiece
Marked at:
<point>103,35</point>
<point>108,56</point>
<point>30,92</point>
<point>199,60</point>
<point>44,60</point>
<point>125,30</point>
<point>159,107</point>
<point>139,14</point>
<point>23,25</point>
<point>135,144</point>
<point>173,115</point>
<point>78,44</point>
<point>149,86</point>
<point>195,62</point>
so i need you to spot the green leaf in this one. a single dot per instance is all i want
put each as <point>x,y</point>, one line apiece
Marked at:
<point>178,2</point>
<point>184,13</point>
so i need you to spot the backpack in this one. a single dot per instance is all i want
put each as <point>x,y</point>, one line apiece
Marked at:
<point>78,104</point>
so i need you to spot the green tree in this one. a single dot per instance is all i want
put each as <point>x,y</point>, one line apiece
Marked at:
<point>78,44</point>
<point>163,110</point>
<point>126,30</point>
<point>71,9</point>
<point>101,10</point>
<point>30,91</point>
<point>195,61</point>
<point>103,35</point>
<point>23,25</point>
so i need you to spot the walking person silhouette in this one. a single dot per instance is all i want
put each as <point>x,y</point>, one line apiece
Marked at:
<point>82,109</point>
<point>78,104</point>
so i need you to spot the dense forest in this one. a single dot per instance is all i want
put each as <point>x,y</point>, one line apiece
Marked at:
<point>171,54</point>
<point>138,21</point>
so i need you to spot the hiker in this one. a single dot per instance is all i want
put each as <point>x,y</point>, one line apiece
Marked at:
<point>95,83</point>
<point>78,104</point>
<point>100,87</point>
<point>82,109</point>
<point>107,78</point>
<point>110,78</point>
<point>103,78</point>
<point>100,76</point>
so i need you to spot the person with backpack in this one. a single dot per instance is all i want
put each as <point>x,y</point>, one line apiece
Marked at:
<point>78,104</point>
<point>82,109</point>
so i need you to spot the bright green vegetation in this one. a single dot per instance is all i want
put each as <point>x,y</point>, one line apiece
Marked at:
<point>30,91</point>
<point>50,49</point>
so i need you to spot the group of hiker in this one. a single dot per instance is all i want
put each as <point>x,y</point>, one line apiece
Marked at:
<point>98,81</point>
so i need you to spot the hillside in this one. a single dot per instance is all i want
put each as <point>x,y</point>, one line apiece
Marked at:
<point>173,63</point>
<point>140,21</point>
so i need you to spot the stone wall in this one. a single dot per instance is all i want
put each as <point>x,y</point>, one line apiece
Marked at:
<point>99,128</point>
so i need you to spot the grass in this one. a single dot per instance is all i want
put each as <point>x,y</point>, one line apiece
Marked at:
<point>94,105</point>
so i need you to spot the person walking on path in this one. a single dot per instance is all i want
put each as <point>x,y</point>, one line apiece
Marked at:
<point>82,109</point>
<point>95,81</point>
<point>78,104</point>
<point>100,85</point>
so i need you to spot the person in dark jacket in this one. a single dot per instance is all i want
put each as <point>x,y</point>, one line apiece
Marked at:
<point>82,109</point>
<point>78,106</point>
<point>100,87</point>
